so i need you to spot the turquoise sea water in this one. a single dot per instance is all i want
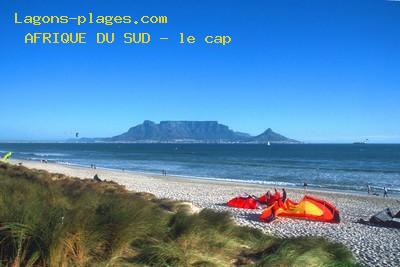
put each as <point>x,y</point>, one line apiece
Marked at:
<point>336,166</point>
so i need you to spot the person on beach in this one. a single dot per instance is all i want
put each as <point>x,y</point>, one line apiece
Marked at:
<point>96,178</point>
<point>305,186</point>
<point>385,192</point>
<point>369,190</point>
<point>264,199</point>
<point>284,195</point>
<point>276,195</point>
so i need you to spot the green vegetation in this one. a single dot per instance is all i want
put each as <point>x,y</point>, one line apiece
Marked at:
<point>52,220</point>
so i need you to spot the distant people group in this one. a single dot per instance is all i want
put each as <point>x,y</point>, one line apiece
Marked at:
<point>93,166</point>
<point>269,198</point>
<point>370,191</point>
<point>164,173</point>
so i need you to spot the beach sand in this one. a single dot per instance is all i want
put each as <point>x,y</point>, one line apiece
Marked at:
<point>372,246</point>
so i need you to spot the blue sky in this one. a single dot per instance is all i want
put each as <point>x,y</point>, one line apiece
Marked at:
<point>320,71</point>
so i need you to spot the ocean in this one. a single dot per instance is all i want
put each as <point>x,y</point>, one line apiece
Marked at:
<point>347,167</point>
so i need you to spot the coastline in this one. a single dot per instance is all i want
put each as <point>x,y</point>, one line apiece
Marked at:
<point>372,246</point>
<point>234,181</point>
<point>338,168</point>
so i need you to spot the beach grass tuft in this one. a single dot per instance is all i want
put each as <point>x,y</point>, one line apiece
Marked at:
<point>52,220</point>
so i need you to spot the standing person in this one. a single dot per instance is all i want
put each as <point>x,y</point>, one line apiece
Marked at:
<point>284,195</point>
<point>385,192</point>
<point>305,186</point>
<point>369,189</point>
<point>276,196</point>
<point>268,194</point>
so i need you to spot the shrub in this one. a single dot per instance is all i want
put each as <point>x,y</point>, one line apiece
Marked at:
<point>53,220</point>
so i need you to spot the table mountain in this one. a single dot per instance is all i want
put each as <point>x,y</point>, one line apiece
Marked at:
<point>193,132</point>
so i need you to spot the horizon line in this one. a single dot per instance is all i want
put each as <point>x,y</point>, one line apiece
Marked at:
<point>55,141</point>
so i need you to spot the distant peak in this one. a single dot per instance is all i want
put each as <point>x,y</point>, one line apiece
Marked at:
<point>268,131</point>
<point>270,136</point>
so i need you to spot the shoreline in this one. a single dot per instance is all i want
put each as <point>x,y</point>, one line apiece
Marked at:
<point>372,246</point>
<point>268,184</point>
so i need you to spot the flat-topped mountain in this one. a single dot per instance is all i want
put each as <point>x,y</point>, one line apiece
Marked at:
<point>192,132</point>
<point>179,130</point>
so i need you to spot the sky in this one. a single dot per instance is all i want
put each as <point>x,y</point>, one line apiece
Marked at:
<point>316,71</point>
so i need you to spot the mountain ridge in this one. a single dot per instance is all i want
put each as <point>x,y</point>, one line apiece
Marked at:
<point>190,132</point>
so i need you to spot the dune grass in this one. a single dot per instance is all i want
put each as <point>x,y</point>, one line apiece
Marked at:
<point>53,220</point>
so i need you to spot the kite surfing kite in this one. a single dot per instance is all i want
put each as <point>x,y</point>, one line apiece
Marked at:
<point>6,156</point>
<point>384,218</point>
<point>246,201</point>
<point>309,208</point>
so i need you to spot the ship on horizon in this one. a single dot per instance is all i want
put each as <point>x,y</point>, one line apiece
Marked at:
<point>361,142</point>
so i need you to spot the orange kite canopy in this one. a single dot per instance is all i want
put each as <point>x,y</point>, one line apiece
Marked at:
<point>244,201</point>
<point>309,208</point>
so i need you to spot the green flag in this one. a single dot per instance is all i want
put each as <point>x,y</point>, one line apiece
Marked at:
<point>6,156</point>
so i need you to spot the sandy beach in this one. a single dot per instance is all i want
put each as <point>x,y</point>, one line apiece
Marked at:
<point>372,246</point>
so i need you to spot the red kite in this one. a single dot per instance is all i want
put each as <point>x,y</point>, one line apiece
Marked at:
<point>309,208</point>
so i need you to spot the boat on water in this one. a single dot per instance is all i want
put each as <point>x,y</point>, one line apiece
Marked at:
<point>361,143</point>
